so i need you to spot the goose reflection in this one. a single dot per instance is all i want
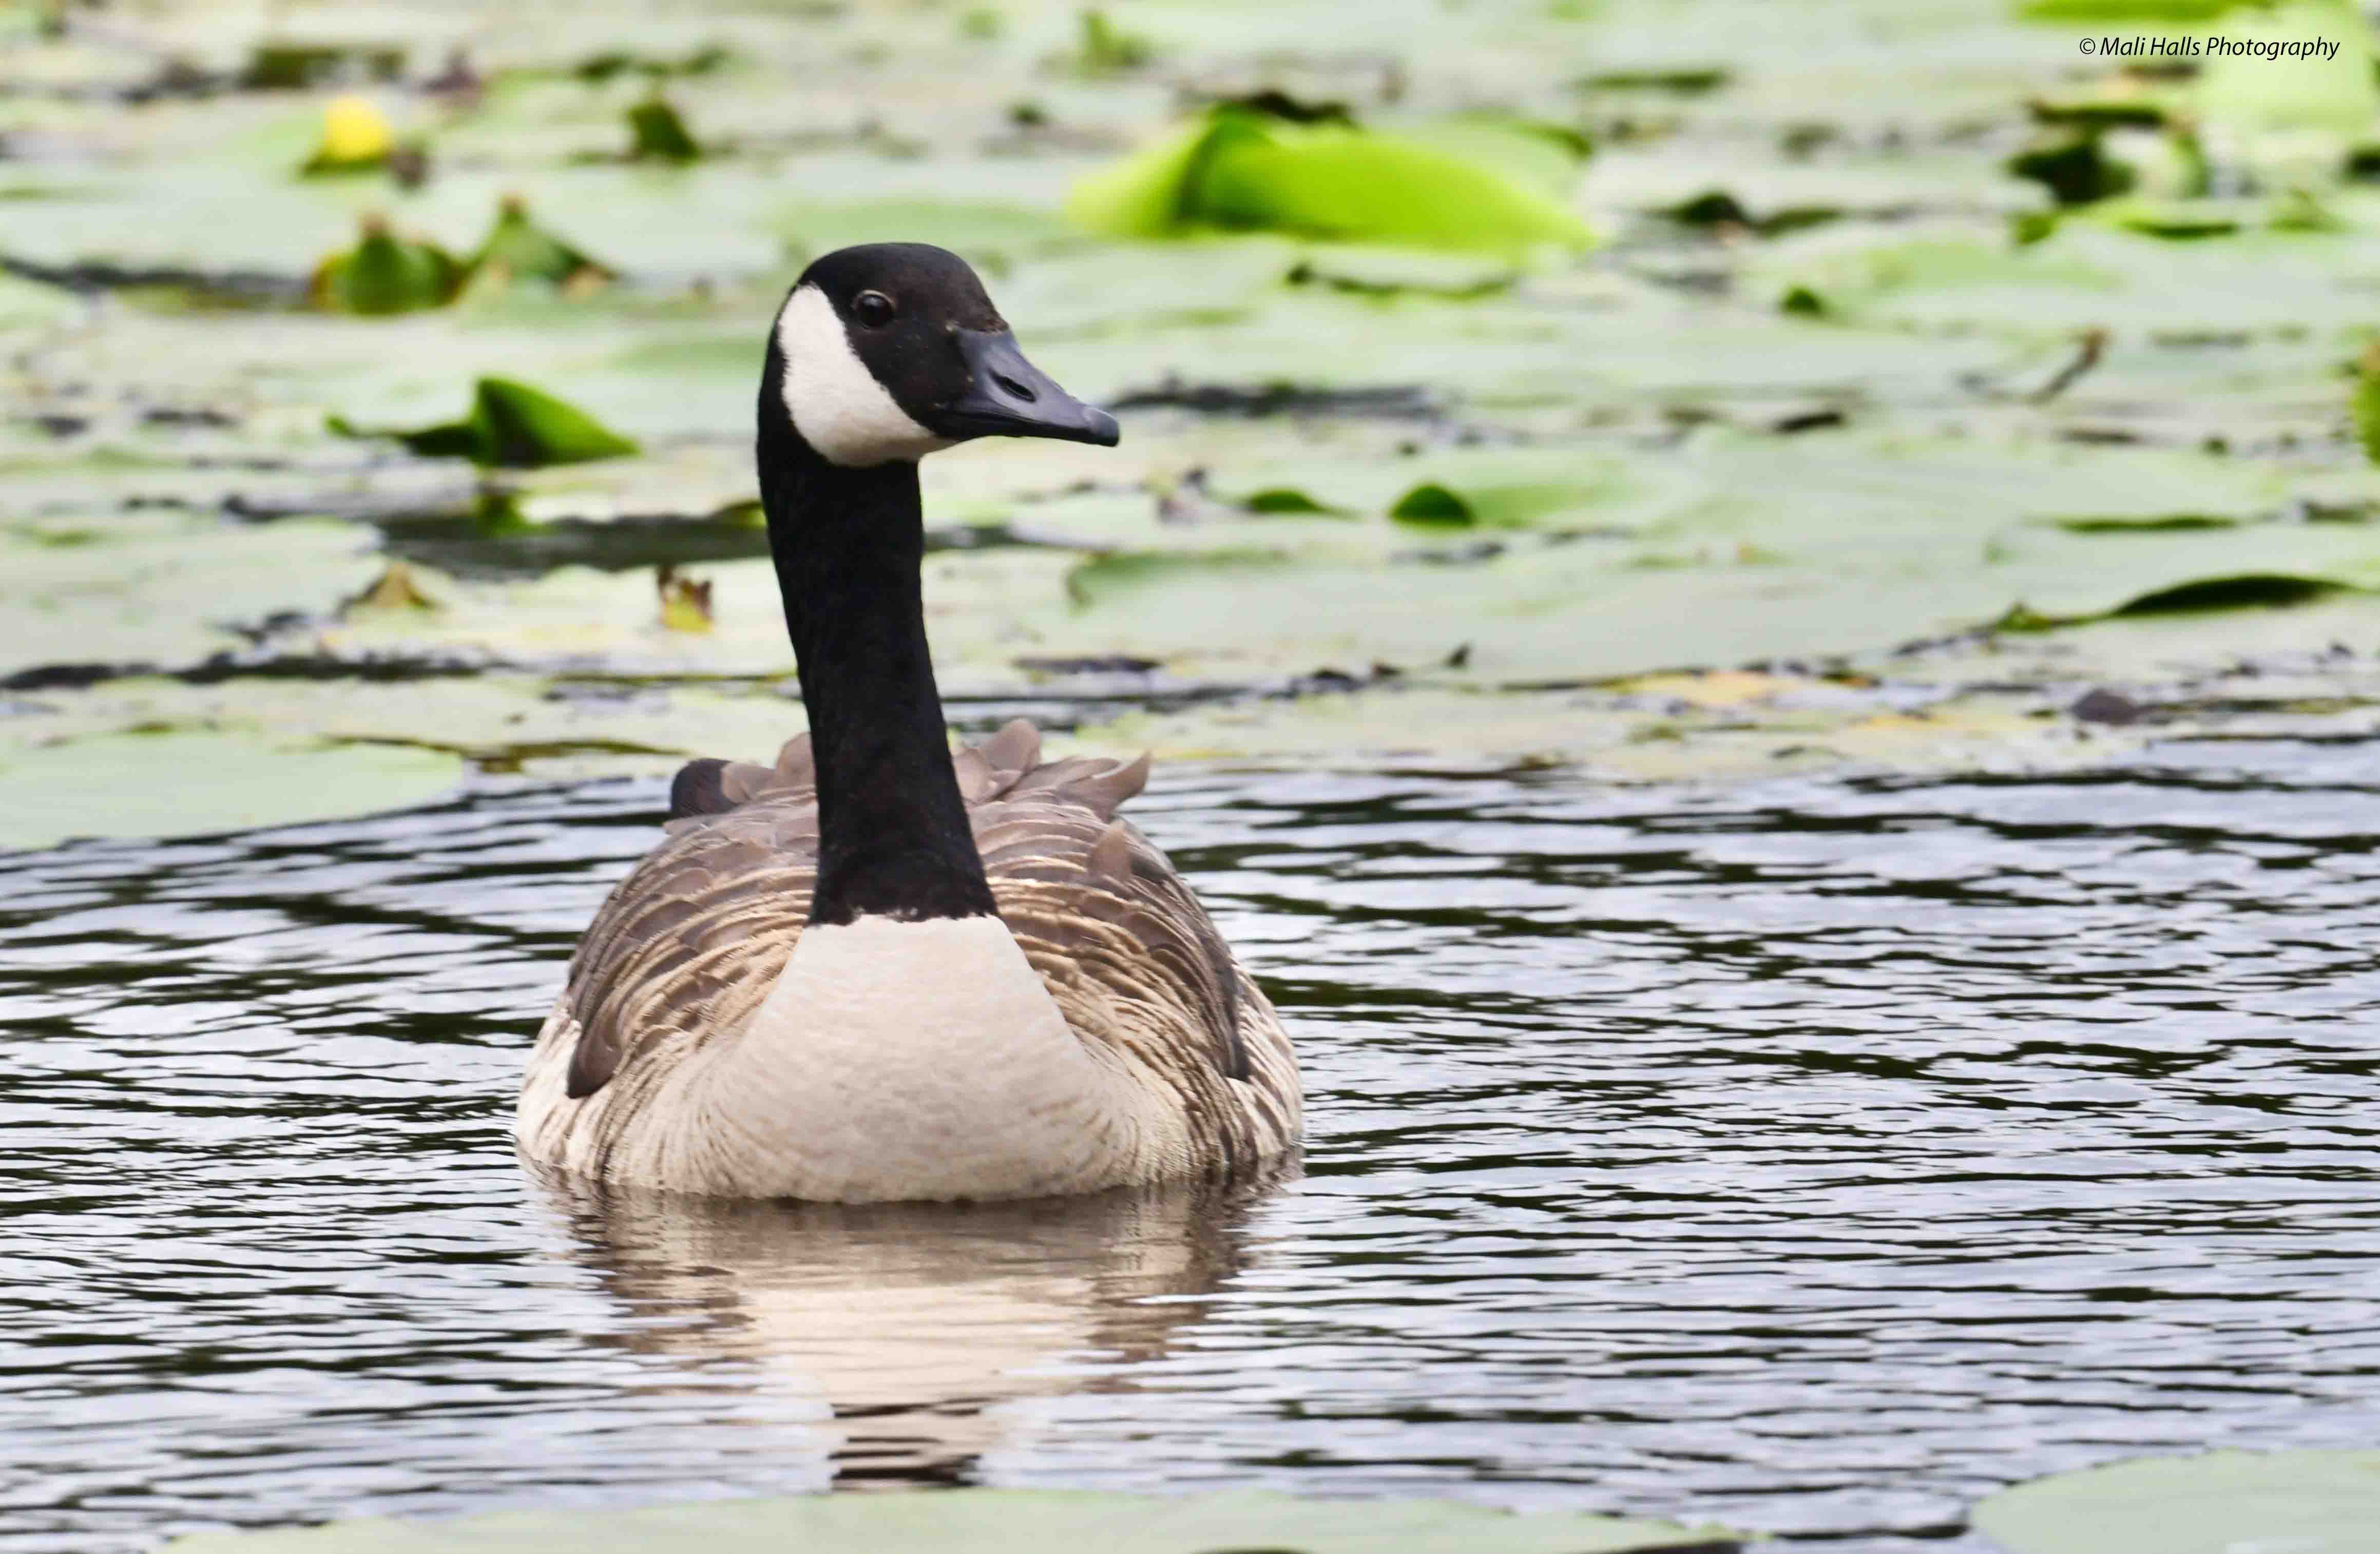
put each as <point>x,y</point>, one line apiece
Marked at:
<point>909,1323</point>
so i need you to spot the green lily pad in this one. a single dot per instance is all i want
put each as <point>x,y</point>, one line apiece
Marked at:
<point>657,133</point>
<point>1283,499</point>
<point>1433,505</point>
<point>2366,404</point>
<point>1239,170</point>
<point>2224,1503</point>
<point>2127,10</point>
<point>991,1522</point>
<point>511,426</point>
<point>2074,167</point>
<point>2247,590</point>
<point>384,274</point>
<point>519,250</point>
<point>196,782</point>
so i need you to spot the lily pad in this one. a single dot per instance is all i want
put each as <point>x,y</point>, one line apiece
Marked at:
<point>2224,1503</point>
<point>516,248</point>
<point>196,782</point>
<point>384,274</point>
<point>657,133</point>
<point>511,426</point>
<point>1239,170</point>
<point>993,1521</point>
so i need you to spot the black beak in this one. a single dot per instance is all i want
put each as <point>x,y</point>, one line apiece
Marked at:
<point>1008,397</point>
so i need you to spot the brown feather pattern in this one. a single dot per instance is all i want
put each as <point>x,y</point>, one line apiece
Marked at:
<point>690,943</point>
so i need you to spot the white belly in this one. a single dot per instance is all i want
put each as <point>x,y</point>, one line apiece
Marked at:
<point>892,1060</point>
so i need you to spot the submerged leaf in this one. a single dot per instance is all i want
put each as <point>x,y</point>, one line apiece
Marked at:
<point>1239,170</point>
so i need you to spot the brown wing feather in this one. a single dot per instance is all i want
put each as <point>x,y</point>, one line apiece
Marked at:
<point>688,945</point>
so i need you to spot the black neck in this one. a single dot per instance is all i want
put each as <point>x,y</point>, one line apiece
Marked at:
<point>893,838</point>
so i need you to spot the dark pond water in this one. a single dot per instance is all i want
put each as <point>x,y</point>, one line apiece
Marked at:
<point>1809,1156</point>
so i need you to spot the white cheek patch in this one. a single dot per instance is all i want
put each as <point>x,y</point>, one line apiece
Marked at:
<point>837,404</point>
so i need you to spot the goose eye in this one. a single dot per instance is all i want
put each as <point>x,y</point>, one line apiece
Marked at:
<point>873,308</point>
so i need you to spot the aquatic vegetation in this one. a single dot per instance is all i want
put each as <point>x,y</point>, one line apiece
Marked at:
<point>387,273</point>
<point>517,248</point>
<point>356,139</point>
<point>2210,1504</point>
<point>935,1521</point>
<point>1248,168</point>
<point>510,426</point>
<point>1810,404</point>
<point>657,133</point>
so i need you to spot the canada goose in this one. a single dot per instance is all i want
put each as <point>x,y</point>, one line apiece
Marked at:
<point>869,972</point>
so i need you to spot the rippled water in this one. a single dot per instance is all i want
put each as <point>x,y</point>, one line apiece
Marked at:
<point>1809,1156</point>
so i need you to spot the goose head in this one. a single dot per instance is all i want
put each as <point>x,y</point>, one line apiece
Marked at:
<point>887,352</point>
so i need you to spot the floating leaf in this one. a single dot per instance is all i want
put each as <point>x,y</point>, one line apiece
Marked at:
<point>2123,109</point>
<point>394,589</point>
<point>1689,81</point>
<point>2367,402</point>
<point>1433,505</point>
<point>2127,10</point>
<point>2247,590</point>
<point>2178,220</point>
<point>597,68</point>
<point>1285,499</point>
<point>2223,1502</point>
<point>1717,208</point>
<point>1494,505</point>
<point>1240,170</point>
<point>2075,168</point>
<point>516,248</point>
<point>195,781</point>
<point>511,426</point>
<point>356,139</point>
<point>289,67</point>
<point>2164,523</point>
<point>994,1522</point>
<point>656,133</point>
<point>1107,49</point>
<point>384,274</point>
